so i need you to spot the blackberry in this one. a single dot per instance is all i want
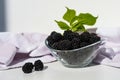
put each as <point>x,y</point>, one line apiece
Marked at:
<point>67,32</point>
<point>63,45</point>
<point>55,45</point>
<point>69,35</point>
<point>82,44</point>
<point>38,65</point>
<point>85,36</point>
<point>27,67</point>
<point>52,33</point>
<point>94,38</point>
<point>50,40</point>
<point>93,34</point>
<point>54,37</point>
<point>75,43</point>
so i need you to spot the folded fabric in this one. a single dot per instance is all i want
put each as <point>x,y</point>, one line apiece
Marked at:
<point>19,62</point>
<point>109,51</point>
<point>29,41</point>
<point>40,51</point>
<point>16,48</point>
<point>7,53</point>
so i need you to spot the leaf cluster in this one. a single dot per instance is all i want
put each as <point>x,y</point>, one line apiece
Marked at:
<point>75,22</point>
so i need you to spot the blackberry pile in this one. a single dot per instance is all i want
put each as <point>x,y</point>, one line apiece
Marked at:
<point>71,40</point>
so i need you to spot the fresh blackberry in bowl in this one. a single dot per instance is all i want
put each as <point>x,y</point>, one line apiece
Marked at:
<point>69,35</point>
<point>93,34</point>
<point>75,43</point>
<point>55,45</point>
<point>62,45</point>
<point>85,37</point>
<point>94,38</point>
<point>38,65</point>
<point>54,37</point>
<point>27,67</point>
<point>82,44</point>
<point>67,32</point>
<point>50,40</point>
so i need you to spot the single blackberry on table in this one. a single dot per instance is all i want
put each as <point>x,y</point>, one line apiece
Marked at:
<point>75,43</point>
<point>85,36</point>
<point>27,67</point>
<point>38,65</point>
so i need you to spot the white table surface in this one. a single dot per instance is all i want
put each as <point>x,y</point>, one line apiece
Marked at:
<point>56,71</point>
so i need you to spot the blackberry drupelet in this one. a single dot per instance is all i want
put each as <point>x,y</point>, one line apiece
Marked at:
<point>38,65</point>
<point>27,67</point>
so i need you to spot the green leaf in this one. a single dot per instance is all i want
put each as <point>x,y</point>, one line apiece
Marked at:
<point>74,20</point>
<point>87,19</point>
<point>81,28</point>
<point>74,24</point>
<point>78,27</point>
<point>69,15</point>
<point>62,25</point>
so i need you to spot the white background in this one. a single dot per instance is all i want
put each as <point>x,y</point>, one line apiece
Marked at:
<point>39,15</point>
